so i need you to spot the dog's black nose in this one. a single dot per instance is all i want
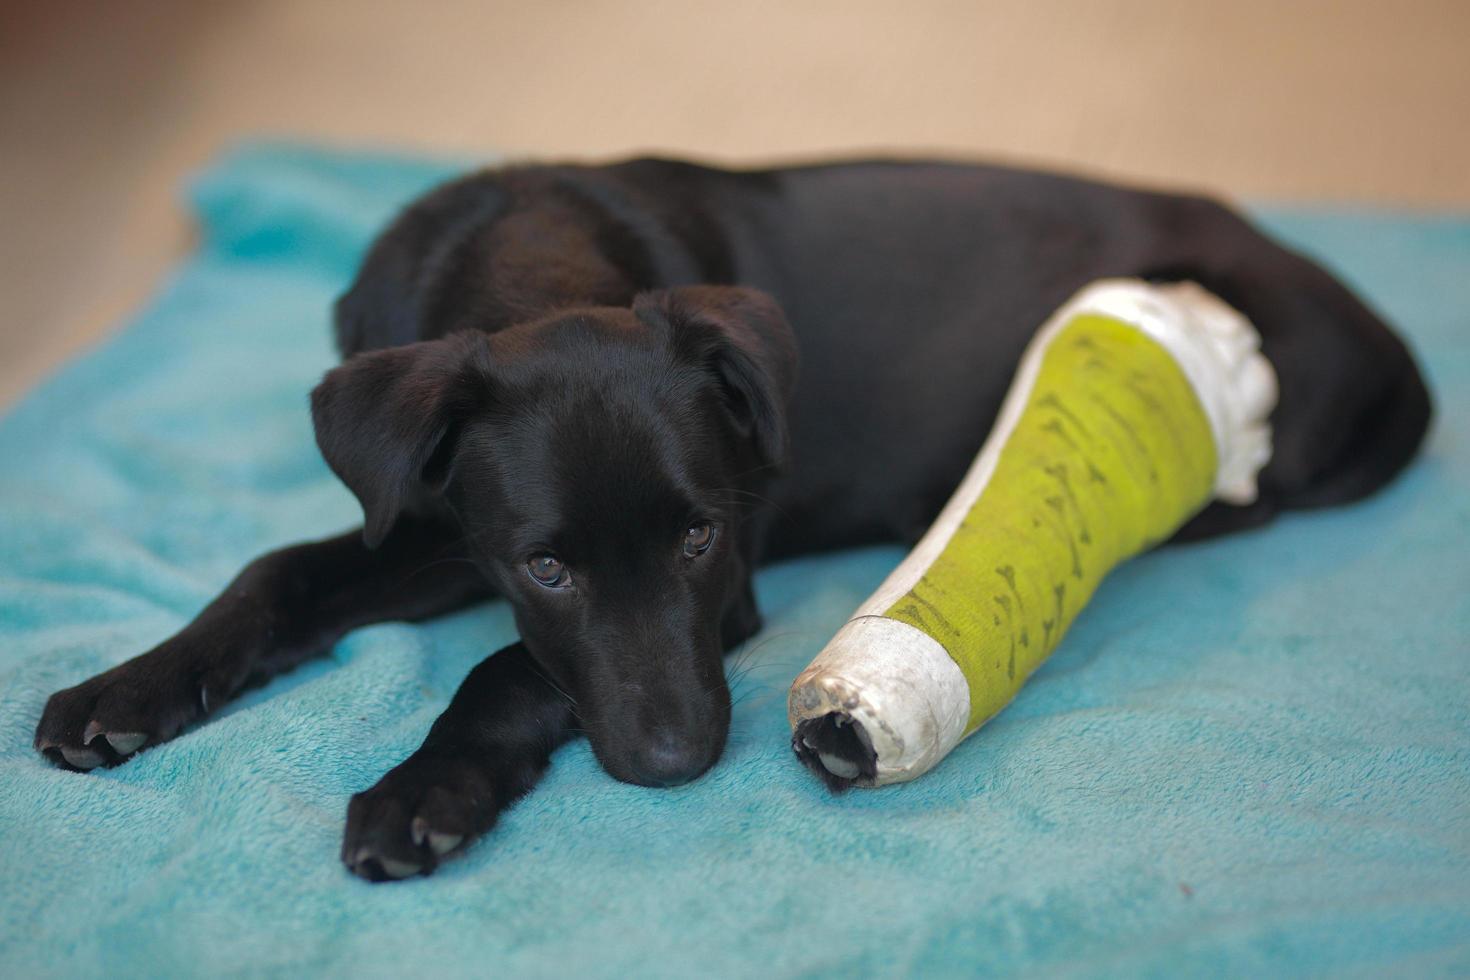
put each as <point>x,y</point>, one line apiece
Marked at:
<point>670,760</point>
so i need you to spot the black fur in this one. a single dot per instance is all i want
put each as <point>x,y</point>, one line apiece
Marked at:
<point>589,361</point>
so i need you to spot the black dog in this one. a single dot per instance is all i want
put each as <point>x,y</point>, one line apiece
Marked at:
<point>576,388</point>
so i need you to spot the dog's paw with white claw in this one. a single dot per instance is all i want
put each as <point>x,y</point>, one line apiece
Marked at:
<point>111,717</point>
<point>424,811</point>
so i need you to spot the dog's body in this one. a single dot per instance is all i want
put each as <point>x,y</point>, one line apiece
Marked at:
<point>578,385</point>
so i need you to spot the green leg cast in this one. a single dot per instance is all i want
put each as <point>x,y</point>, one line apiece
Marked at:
<point>1135,406</point>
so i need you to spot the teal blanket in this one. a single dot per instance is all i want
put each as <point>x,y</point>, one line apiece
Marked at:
<point>1251,756</point>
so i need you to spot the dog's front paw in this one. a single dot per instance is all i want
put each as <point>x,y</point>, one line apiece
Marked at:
<point>422,812</point>
<point>107,719</point>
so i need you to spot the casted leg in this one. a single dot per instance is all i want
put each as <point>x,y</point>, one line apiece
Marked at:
<point>285,607</point>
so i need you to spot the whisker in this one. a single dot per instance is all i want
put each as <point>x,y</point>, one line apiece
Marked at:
<point>761,498</point>
<point>552,684</point>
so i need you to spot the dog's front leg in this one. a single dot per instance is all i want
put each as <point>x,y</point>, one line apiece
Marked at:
<point>284,607</point>
<point>487,749</point>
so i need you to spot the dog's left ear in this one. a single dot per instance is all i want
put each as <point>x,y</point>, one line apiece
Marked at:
<point>385,421</point>
<point>743,336</point>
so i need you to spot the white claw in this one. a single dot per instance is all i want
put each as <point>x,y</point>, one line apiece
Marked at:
<point>392,868</point>
<point>838,767</point>
<point>398,869</point>
<point>440,843</point>
<point>82,758</point>
<point>126,743</point>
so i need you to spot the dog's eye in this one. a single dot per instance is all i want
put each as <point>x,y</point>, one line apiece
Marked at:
<point>548,570</point>
<point>698,539</point>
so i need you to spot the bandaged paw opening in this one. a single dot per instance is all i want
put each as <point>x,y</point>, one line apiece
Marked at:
<point>1134,406</point>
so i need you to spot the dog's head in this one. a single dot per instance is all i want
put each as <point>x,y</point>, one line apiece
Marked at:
<point>601,463</point>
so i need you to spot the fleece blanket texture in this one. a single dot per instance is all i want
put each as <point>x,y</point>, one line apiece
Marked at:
<point>1251,756</point>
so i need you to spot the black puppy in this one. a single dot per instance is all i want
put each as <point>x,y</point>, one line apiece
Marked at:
<point>576,388</point>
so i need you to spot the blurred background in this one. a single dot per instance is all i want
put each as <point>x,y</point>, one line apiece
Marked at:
<point>105,107</point>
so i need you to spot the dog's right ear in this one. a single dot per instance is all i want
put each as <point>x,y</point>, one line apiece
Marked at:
<point>386,420</point>
<point>742,335</point>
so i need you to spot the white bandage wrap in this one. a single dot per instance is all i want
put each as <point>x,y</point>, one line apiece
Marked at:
<point>895,681</point>
<point>900,684</point>
<point>1219,352</point>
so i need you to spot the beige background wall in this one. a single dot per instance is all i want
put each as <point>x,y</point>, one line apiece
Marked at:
<point>105,106</point>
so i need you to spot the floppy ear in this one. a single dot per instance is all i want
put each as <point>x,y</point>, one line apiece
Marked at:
<point>743,336</point>
<point>385,421</point>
